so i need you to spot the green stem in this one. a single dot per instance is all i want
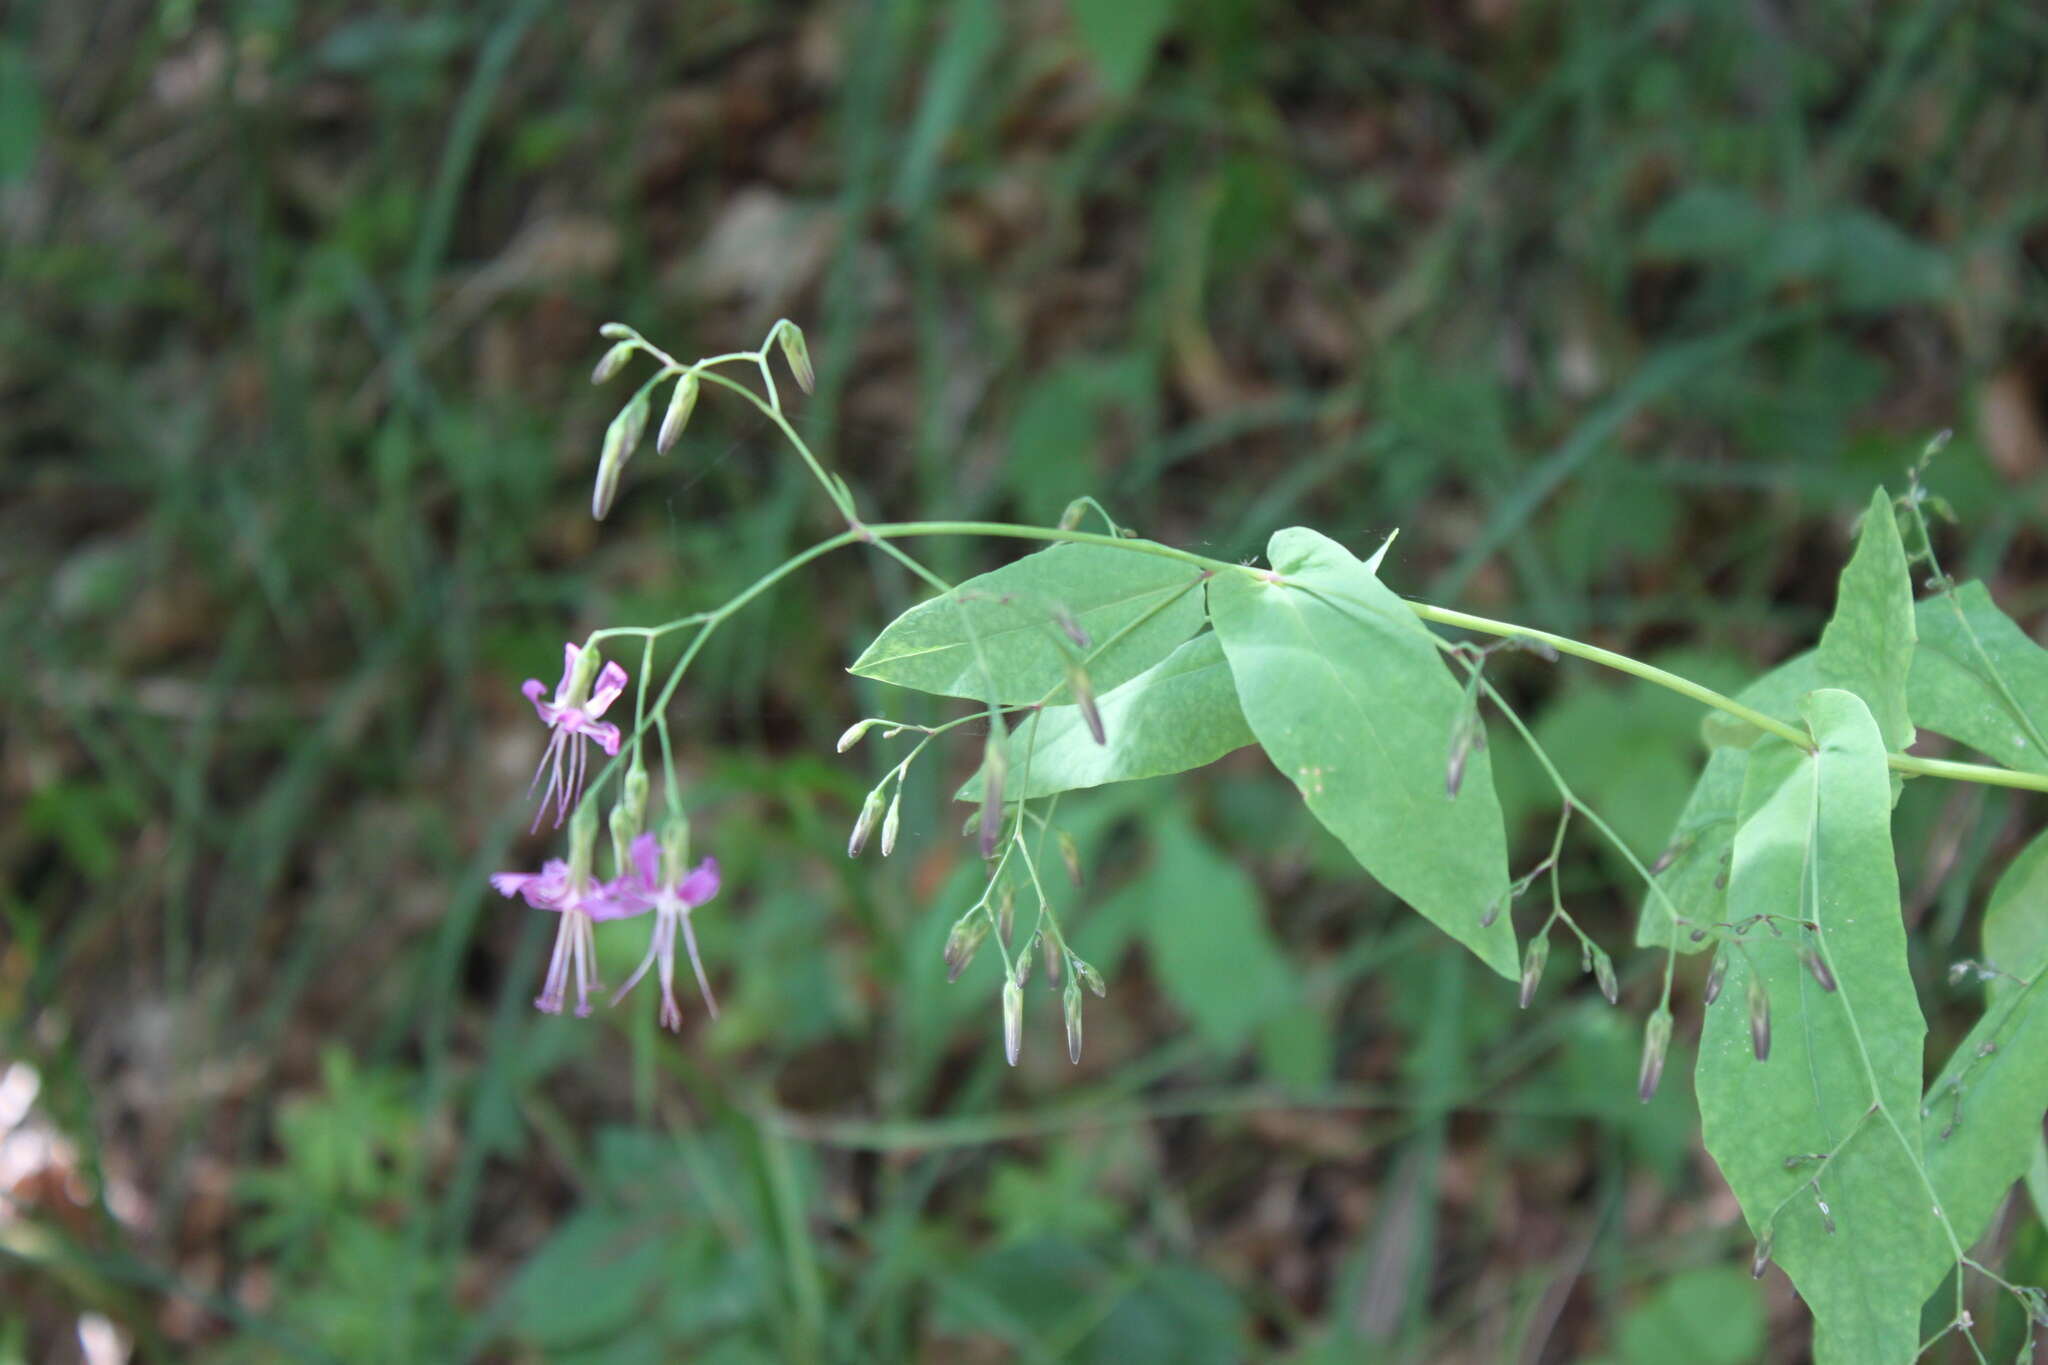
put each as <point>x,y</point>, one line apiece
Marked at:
<point>882,533</point>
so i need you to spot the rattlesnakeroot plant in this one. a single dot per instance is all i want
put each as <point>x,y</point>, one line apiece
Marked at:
<point>1105,657</point>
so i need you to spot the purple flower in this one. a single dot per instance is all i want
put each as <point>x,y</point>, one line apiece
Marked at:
<point>573,717</point>
<point>579,902</point>
<point>671,894</point>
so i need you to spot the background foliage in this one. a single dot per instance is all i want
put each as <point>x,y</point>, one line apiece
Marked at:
<point>1617,310</point>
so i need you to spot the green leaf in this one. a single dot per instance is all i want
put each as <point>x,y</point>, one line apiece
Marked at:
<point>1977,678</point>
<point>1346,692</point>
<point>1121,36</point>
<point>2016,919</point>
<point>1983,1113</point>
<point>1843,1075</point>
<point>1867,646</point>
<point>1208,939</point>
<point>1181,713</point>
<point>1695,882</point>
<point>1135,608</point>
<point>1710,1316</point>
<point>1706,222</point>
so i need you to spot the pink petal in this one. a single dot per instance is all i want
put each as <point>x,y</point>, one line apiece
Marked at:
<point>511,883</point>
<point>569,655</point>
<point>604,732</point>
<point>701,885</point>
<point>532,690</point>
<point>611,681</point>
<point>614,901</point>
<point>646,853</point>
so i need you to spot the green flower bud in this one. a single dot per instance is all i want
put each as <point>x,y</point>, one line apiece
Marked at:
<point>1716,975</point>
<point>798,355</point>
<point>582,841</point>
<point>1532,967</point>
<point>619,440</point>
<point>1071,1002</point>
<point>995,767</point>
<point>1070,854</point>
<point>968,932</point>
<point>889,823</point>
<point>869,809</point>
<point>1818,965</point>
<point>613,361</point>
<point>675,847</point>
<point>1656,1041</point>
<point>1013,1020</point>
<point>1603,972</point>
<point>1084,697</point>
<point>853,734</point>
<point>680,404</point>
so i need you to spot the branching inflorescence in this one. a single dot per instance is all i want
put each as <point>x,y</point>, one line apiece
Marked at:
<point>1107,657</point>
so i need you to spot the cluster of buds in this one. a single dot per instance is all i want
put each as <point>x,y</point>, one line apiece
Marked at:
<point>651,874</point>
<point>622,437</point>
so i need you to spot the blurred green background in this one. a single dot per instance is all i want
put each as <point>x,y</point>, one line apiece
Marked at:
<point>1616,310</point>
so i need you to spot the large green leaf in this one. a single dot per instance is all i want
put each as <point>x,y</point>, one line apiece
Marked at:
<point>1208,938</point>
<point>1867,647</point>
<point>1978,678</point>
<point>1843,1075</point>
<point>1178,714</point>
<point>1695,884</point>
<point>1134,608</point>
<point>1982,1119</point>
<point>1346,691</point>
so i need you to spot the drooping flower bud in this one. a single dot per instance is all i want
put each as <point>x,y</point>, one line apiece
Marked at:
<point>1053,953</point>
<point>1759,1019</point>
<point>1023,973</point>
<point>1070,1001</point>
<point>614,331</point>
<point>889,822</point>
<point>1670,855</point>
<point>798,355</point>
<point>863,823</point>
<point>1013,1020</point>
<point>680,404</point>
<point>1084,697</point>
<point>620,438</point>
<point>1467,733</point>
<point>1071,518</point>
<point>1006,912</point>
<point>612,362</point>
<point>1603,972</point>
<point>1656,1041</point>
<point>968,932</point>
<point>995,767</point>
<point>853,734</point>
<point>1818,965</point>
<point>1716,975</point>
<point>1091,978</point>
<point>1071,856</point>
<point>624,830</point>
<point>1532,967</point>
<point>629,815</point>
